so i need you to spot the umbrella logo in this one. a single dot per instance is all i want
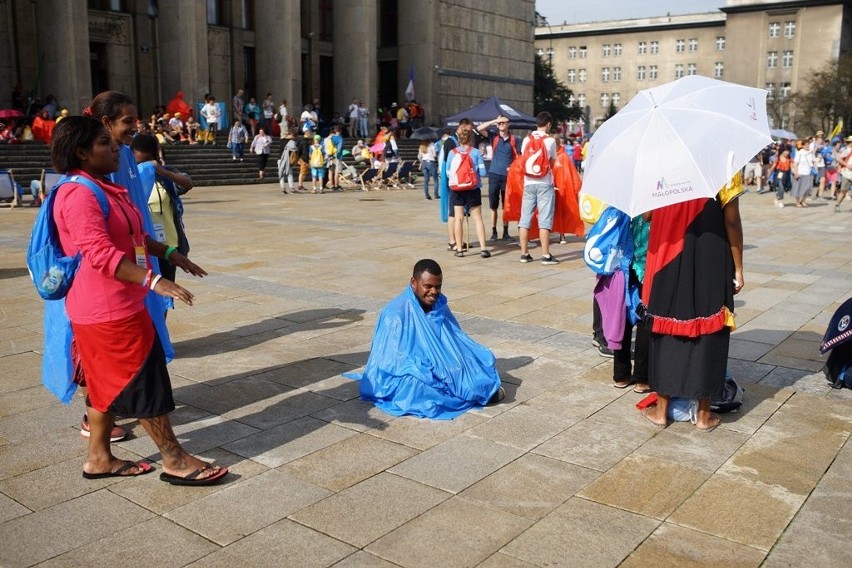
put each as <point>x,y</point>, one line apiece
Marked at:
<point>661,184</point>
<point>843,323</point>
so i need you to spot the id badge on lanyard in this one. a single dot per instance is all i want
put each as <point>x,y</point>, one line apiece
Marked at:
<point>141,256</point>
<point>160,232</point>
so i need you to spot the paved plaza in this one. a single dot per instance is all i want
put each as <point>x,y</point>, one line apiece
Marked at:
<point>564,472</point>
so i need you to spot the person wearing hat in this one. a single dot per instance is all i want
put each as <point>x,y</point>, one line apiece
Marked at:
<point>844,165</point>
<point>317,162</point>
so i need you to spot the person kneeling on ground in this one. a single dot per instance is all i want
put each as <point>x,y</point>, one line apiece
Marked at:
<point>421,363</point>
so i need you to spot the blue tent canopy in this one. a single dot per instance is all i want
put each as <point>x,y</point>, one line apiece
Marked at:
<point>488,110</point>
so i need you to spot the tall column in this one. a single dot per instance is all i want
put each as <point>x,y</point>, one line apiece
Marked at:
<point>62,29</point>
<point>184,63</point>
<point>278,51</point>
<point>356,72</point>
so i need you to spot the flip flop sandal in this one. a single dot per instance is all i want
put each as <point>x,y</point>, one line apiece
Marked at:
<point>120,472</point>
<point>644,413</point>
<point>713,427</point>
<point>642,391</point>
<point>192,478</point>
<point>622,384</point>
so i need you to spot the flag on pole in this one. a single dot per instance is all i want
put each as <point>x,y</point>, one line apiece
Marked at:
<point>409,90</point>
<point>837,129</point>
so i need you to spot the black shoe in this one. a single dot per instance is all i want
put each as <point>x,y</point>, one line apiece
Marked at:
<point>493,236</point>
<point>459,253</point>
<point>526,257</point>
<point>484,254</point>
<point>606,352</point>
<point>497,397</point>
<point>596,342</point>
<point>549,259</point>
<point>428,197</point>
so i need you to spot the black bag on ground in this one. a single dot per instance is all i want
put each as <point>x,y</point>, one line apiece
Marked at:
<point>837,368</point>
<point>732,397</point>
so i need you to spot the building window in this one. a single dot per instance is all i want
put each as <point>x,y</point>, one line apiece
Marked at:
<point>581,100</point>
<point>787,58</point>
<point>616,73</point>
<point>571,99</point>
<point>108,5</point>
<point>785,90</point>
<point>691,69</point>
<point>774,29</point>
<point>720,43</point>
<point>605,100</point>
<point>572,75</point>
<point>247,14</point>
<point>678,71</point>
<point>581,75</point>
<point>652,72</point>
<point>693,45</point>
<point>655,47</point>
<point>607,48</point>
<point>616,98</point>
<point>643,48</point>
<point>616,48</point>
<point>582,52</point>
<point>214,12</point>
<point>605,74</point>
<point>572,52</point>
<point>771,59</point>
<point>640,73</point>
<point>719,70</point>
<point>789,30</point>
<point>680,45</point>
<point>770,89</point>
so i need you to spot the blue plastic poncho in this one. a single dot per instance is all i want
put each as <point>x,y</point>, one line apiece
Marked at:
<point>423,364</point>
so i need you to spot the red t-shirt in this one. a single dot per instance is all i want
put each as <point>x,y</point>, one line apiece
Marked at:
<point>97,296</point>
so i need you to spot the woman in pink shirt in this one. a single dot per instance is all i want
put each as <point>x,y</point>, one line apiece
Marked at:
<point>114,337</point>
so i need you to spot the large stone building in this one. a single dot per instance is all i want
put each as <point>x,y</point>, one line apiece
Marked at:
<point>299,50</point>
<point>773,44</point>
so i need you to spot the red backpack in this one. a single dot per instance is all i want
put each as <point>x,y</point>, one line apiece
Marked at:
<point>461,175</point>
<point>536,158</point>
<point>511,141</point>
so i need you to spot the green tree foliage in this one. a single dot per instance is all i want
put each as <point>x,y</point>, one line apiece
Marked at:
<point>552,95</point>
<point>828,98</point>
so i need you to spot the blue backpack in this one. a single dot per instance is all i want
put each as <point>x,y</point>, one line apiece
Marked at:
<point>609,243</point>
<point>50,270</point>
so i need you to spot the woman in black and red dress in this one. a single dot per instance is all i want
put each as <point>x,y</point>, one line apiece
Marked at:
<point>694,268</point>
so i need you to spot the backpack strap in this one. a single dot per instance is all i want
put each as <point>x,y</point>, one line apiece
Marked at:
<point>95,188</point>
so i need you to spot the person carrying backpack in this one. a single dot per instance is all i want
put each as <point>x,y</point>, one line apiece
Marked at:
<point>317,162</point>
<point>538,154</point>
<point>465,169</point>
<point>505,148</point>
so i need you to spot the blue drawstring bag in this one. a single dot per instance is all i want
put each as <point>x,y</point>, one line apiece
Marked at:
<point>50,270</point>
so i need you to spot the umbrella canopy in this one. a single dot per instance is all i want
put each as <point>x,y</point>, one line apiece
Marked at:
<point>839,329</point>
<point>676,142</point>
<point>425,133</point>
<point>489,109</point>
<point>10,113</point>
<point>785,134</point>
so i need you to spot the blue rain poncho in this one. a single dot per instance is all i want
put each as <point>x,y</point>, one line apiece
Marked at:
<point>423,364</point>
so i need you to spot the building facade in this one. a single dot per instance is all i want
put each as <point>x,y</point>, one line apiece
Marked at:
<point>772,44</point>
<point>299,50</point>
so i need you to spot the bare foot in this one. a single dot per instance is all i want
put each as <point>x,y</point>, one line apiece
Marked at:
<point>652,415</point>
<point>709,423</point>
<point>187,464</point>
<point>111,466</point>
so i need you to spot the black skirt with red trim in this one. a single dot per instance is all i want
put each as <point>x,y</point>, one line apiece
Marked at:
<point>688,293</point>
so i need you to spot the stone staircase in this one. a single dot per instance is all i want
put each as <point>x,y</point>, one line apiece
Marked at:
<point>207,165</point>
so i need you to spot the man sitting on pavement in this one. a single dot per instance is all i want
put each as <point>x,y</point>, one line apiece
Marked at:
<point>421,363</point>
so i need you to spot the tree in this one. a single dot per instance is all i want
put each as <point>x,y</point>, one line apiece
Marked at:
<point>829,98</point>
<point>551,95</point>
<point>610,112</point>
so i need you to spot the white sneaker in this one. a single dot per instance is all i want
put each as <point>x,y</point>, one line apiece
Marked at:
<point>779,204</point>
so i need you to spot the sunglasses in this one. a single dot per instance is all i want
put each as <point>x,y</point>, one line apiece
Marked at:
<point>503,122</point>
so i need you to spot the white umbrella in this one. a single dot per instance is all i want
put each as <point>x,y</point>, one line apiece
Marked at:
<point>679,141</point>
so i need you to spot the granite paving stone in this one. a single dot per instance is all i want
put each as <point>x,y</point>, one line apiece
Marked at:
<point>468,533</point>
<point>531,486</point>
<point>11,509</point>
<point>284,544</point>
<point>246,506</point>
<point>348,462</point>
<point>679,547</point>
<point>363,559</point>
<point>599,536</point>
<point>369,510</point>
<point>522,427</point>
<point>34,538</point>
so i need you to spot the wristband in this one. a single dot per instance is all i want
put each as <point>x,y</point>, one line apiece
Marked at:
<point>147,278</point>
<point>169,251</point>
<point>155,280</point>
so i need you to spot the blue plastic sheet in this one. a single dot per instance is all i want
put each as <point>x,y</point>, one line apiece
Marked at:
<point>423,364</point>
<point>57,370</point>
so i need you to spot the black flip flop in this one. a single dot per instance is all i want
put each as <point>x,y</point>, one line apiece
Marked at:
<point>192,478</point>
<point>144,466</point>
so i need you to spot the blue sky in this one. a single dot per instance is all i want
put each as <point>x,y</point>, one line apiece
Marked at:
<point>571,11</point>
